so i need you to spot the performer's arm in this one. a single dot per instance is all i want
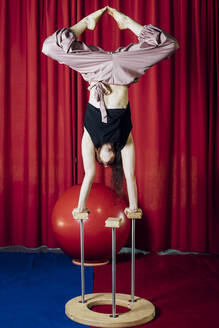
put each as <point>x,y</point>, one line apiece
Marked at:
<point>128,162</point>
<point>88,154</point>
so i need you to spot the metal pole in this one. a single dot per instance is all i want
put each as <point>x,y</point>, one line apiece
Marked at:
<point>82,260</point>
<point>114,273</point>
<point>133,263</point>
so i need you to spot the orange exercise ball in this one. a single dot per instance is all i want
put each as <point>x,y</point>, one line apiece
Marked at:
<point>102,203</point>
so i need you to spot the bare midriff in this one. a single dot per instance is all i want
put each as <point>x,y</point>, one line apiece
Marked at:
<point>117,98</point>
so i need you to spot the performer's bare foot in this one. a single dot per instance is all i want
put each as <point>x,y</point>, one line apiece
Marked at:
<point>121,19</point>
<point>93,18</point>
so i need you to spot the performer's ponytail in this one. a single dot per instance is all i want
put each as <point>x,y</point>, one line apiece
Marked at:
<point>117,174</point>
<point>117,171</point>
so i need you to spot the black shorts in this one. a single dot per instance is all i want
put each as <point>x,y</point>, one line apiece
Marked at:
<point>116,130</point>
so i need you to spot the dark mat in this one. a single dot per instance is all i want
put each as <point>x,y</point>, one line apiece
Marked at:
<point>34,288</point>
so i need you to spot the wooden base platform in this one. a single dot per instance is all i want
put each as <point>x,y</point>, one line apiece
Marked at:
<point>141,311</point>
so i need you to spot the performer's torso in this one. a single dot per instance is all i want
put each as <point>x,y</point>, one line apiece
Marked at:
<point>118,98</point>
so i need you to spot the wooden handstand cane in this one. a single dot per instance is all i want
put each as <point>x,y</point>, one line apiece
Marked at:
<point>133,216</point>
<point>82,216</point>
<point>113,223</point>
<point>79,308</point>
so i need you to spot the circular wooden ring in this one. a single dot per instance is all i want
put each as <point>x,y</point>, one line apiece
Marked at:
<point>141,311</point>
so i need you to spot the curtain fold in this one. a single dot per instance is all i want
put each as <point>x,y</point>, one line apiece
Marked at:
<point>174,110</point>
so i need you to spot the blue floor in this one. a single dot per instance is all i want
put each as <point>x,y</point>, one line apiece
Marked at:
<point>34,288</point>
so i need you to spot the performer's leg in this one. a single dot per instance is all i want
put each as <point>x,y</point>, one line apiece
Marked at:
<point>124,21</point>
<point>94,17</point>
<point>89,22</point>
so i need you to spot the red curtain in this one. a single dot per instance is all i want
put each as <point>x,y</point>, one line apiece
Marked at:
<point>175,121</point>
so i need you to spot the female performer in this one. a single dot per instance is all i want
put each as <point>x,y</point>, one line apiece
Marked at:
<point>107,124</point>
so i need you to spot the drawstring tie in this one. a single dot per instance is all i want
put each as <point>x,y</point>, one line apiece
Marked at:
<point>100,90</point>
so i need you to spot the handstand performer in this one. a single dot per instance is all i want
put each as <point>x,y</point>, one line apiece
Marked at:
<point>107,134</point>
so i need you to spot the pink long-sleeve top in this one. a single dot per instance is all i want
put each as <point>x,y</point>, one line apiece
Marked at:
<point>122,66</point>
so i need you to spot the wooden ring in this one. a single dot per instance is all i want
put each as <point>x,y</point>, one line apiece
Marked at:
<point>141,311</point>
